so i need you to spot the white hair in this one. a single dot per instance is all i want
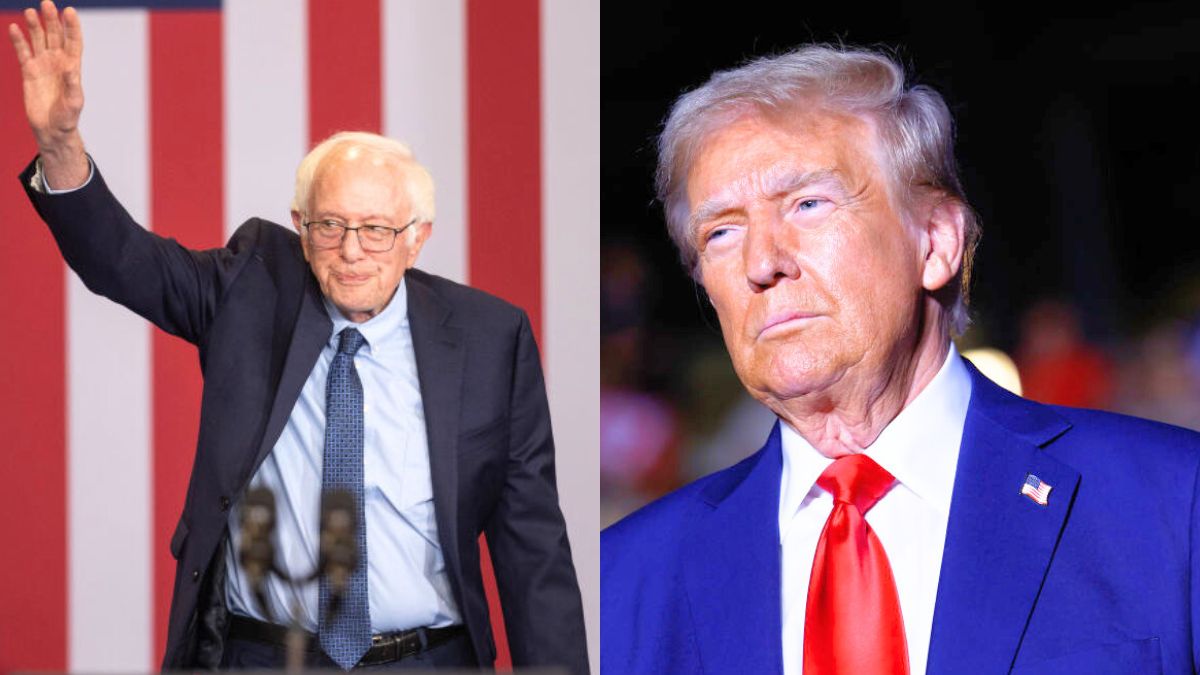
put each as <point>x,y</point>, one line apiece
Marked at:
<point>915,130</point>
<point>417,180</point>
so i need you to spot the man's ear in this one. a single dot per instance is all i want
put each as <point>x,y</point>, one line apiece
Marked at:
<point>944,237</point>
<point>298,223</point>
<point>423,231</point>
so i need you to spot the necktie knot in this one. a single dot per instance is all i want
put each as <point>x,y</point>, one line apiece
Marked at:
<point>857,480</point>
<point>350,341</point>
<point>853,622</point>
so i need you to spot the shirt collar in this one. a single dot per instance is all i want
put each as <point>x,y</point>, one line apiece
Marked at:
<point>919,447</point>
<point>374,330</point>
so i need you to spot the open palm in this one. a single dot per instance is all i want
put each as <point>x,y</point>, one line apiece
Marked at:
<point>50,72</point>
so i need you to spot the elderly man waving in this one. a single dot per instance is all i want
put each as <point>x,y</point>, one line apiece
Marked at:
<point>332,366</point>
<point>906,515</point>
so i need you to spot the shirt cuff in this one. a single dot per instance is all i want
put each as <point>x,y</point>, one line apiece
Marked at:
<point>38,180</point>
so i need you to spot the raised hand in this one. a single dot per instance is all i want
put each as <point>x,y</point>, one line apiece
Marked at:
<point>50,74</point>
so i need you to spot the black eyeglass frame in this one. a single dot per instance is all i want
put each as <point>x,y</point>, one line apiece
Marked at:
<point>346,228</point>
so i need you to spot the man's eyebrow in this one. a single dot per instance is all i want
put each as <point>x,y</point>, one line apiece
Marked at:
<point>773,183</point>
<point>368,219</point>
<point>710,209</point>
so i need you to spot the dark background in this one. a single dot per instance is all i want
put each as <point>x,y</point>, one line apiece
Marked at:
<point>1079,148</point>
<point>1077,137</point>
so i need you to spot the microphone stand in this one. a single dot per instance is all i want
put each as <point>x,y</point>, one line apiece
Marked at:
<point>256,546</point>
<point>297,641</point>
<point>337,560</point>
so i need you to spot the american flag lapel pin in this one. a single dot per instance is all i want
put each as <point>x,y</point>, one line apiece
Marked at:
<point>1036,489</point>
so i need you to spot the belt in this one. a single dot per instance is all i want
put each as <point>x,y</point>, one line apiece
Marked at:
<point>385,647</point>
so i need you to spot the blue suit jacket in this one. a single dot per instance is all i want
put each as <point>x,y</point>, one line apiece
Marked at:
<point>1104,579</point>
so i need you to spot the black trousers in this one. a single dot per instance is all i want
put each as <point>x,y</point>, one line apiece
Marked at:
<point>247,655</point>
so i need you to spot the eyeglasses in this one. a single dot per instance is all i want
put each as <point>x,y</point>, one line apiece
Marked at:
<point>324,234</point>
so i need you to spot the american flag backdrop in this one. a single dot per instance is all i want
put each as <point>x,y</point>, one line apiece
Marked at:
<point>198,113</point>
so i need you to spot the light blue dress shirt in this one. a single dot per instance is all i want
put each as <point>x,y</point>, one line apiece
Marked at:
<point>406,574</point>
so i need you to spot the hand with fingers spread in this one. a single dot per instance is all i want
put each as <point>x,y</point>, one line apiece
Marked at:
<point>50,74</point>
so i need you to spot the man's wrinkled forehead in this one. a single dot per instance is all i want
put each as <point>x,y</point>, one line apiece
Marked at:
<point>831,148</point>
<point>776,180</point>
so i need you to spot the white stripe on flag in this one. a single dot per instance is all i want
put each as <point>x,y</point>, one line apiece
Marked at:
<point>108,381</point>
<point>424,105</point>
<point>570,57</point>
<point>266,107</point>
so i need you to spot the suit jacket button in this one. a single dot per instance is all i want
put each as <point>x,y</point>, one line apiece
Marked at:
<point>224,504</point>
<point>195,575</point>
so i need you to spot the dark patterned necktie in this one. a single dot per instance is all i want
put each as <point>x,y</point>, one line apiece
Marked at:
<point>346,636</point>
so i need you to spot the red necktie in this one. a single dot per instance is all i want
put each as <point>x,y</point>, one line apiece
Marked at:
<point>853,622</point>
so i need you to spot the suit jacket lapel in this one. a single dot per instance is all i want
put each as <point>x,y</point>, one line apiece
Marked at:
<point>732,569</point>
<point>999,543</point>
<point>439,353</point>
<point>311,332</point>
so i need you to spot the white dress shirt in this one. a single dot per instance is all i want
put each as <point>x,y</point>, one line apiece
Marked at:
<point>407,584</point>
<point>920,448</point>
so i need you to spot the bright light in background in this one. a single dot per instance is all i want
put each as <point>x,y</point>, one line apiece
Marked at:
<point>998,367</point>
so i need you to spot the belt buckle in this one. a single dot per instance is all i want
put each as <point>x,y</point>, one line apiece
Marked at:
<point>408,643</point>
<point>390,647</point>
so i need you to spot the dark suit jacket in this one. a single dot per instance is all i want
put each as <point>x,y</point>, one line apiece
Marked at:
<point>1104,579</point>
<point>254,310</point>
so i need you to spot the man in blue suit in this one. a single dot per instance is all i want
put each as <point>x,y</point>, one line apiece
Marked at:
<point>905,514</point>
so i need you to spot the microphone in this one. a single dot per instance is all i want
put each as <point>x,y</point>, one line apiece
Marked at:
<point>339,544</point>
<point>256,549</point>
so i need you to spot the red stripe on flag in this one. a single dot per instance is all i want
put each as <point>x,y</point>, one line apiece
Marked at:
<point>504,178</point>
<point>186,140</point>
<point>345,87</point>
<point>33,437</point>
<point>504,204</point>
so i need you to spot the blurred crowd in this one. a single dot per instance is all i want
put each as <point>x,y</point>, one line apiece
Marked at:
<point>672,409</point>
